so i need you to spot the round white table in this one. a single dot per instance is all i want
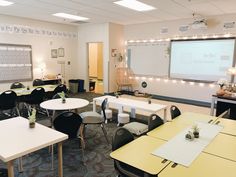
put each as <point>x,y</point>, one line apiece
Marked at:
<point>71,103</point>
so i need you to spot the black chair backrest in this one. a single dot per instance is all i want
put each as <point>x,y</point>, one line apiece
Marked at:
<point>68,123</point>
<point>8,100</point>
<point>103,106</point>
<point>16,85</point>
<point>37,95</point>
<point>121,137</point>
<point>59,88</point>
<point>154,121</point>
<point>174,111</point>
<point>38,82</point>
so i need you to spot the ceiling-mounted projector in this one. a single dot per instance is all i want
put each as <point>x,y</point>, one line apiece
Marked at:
<point>199,24</point>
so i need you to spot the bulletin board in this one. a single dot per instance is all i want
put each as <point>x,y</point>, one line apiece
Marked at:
<point>15,63</point>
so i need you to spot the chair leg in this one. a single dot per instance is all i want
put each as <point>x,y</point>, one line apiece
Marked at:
<point>20,165</point>
<point>81,132</point>
<point>105,133</point>
<point>52,157</point>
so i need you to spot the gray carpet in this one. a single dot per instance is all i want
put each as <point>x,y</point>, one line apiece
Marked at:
<point>96,162</point>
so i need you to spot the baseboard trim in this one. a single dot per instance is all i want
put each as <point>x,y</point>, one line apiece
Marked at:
<point>173,99</point>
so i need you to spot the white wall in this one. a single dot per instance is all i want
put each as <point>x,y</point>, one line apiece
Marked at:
<point>42,45</point>
<point>152,31</point>
<point>112,37</point>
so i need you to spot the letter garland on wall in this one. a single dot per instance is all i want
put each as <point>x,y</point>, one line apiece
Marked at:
<point>19,29</point>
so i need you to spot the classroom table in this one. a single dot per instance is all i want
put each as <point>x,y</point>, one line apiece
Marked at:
<point>138,154</point>
<point>229,126</point>
<point>17,140</point>
<point>121,103</point>
<point>205,165</point>
<point>172,128</point>
<point>223,146</point>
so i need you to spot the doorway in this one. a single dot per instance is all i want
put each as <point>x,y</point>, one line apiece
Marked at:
<point>95,57</point>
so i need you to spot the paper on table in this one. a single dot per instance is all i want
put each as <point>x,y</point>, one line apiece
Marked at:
<point>182,151</point>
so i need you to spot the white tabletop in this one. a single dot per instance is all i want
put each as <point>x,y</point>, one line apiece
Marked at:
<point>71,103</point>
<point>17,139</point>
<point>131,103</point>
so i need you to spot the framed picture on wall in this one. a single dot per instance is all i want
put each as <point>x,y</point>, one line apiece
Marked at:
<point>61,52</point>
<point>54,53</point>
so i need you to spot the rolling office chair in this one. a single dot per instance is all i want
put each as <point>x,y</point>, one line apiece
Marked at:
<point>91,117</point>
<point>138,128</point>
<point>174,112</point>
<point>8,102</point>
<point>38,82</point>
<point>121,137</point>
<point>16,85</point>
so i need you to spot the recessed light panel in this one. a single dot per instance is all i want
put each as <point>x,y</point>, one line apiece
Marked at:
<point>69,16</point>
<point>135,5</point>
<point>5,3</point>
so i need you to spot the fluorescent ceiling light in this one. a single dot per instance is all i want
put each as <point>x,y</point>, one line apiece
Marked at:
<point>5,3</point>
<point>69,16</point>
<point>135,5</point>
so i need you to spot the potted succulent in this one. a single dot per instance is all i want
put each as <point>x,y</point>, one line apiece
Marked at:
<point>63,97</point>
<point>116,94</point>
<point>189,136</point>
<point>32,118</point>
<point>222,82</point>
<point>195,131</point>
<point>149,99</point>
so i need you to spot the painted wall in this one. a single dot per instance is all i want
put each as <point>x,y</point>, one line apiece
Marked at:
<point>42,45</point>
<point>177,89</point>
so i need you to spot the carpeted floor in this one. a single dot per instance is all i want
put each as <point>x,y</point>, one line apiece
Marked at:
<point>96,161</point>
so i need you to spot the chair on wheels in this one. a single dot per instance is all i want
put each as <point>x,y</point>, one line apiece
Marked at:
<point>91,117</point>
<point>121,137</point>
<point>38,82</point>
<point>174,112</point>
<point>70,124</point>
<point>16,85</point>
<point>138,128</point>
<point>8,102</point>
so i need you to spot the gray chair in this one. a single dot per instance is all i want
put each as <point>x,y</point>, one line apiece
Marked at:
<point>138,128</point>
<point>121,137</point>
<point>91,117</point>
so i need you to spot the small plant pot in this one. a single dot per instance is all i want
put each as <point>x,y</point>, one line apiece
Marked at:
<point>196,134</point>
<point>117,96</point>
<point>149,101</point>
<point>63,100</point>
<point>31,124</point>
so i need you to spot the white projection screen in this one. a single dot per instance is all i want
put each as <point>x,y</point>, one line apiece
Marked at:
<point>201,60</point>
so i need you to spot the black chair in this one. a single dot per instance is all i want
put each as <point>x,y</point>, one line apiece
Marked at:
<point>58,89</point>
<point>121,137</point>
<point>38,82</point>
<point>3,172</point>
<point>35,98</point>
<point>91,117</point>
<point>154,121</point>
<point>16,85</point>
<point>174,112</point>
<point>69,123</point>
<point>8,102</point>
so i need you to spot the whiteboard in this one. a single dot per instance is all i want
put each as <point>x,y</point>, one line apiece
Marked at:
<point>15,62</point>
<point>149,58</point>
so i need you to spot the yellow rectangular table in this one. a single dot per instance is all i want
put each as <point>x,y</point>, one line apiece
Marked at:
<point>138,154</point>
<point>205,165</point>
<point>223,146</point>
<point>171,129</point>
<point>229,126</point>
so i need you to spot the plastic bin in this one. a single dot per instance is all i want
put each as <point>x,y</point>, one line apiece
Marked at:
<point>73,85</point>
<point>81,85</point>
<point>91,85</point>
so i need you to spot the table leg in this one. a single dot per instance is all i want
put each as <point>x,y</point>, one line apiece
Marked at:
<point>212,106</point>
<point>133,112</point>
<point>165,115</point>
<point>60,164</point>
<point>10,168</point>
<point>94,106</point>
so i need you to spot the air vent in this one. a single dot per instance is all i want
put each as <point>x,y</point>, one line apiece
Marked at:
<point>79,22</point>
<point>228,25</point>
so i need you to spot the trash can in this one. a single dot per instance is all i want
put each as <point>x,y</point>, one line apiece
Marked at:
<point>92,85</point>
<point>73,85</point>
<point>81,85</point>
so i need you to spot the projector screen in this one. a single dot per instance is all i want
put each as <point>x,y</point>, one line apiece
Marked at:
<point>203,60</point>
